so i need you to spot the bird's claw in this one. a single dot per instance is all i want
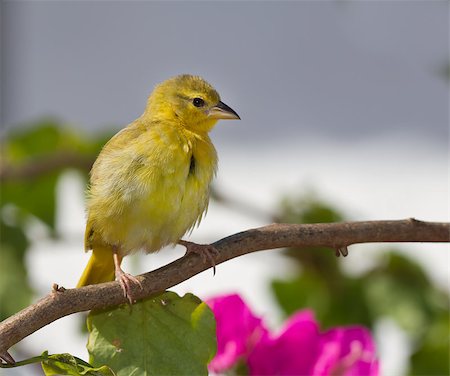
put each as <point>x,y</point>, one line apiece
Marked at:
<point>206,251</point>
<point>126,281</point>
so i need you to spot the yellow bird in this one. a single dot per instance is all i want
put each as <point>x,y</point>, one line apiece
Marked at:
<point>150,183</point>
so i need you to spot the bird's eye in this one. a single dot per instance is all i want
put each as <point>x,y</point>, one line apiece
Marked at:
<point>198,102</point>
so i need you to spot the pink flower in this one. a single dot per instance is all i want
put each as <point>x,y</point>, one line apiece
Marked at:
<point>348,351</point>
<point>299,349</point>
<point>238,330</point>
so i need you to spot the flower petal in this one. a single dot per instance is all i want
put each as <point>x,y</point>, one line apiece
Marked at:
<point>292,352</point>
<point>348,351</point>
<point>237,330</point>
<point>299,348</point>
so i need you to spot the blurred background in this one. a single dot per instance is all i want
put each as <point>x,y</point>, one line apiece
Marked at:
<point>344,109</point>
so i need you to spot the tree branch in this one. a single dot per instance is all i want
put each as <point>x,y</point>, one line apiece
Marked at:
<point>45,165</point>
<point>61,302</point>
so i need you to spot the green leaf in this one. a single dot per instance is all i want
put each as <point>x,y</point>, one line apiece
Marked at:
<point>163,335</point>
<point>306,290</point>
<point>329,299</point>
<point>399,288</point>
<point>432,358</point>
<point>33,157</point>
<point>15,291</point>
<point>14,237</point>
<point>62,364</point>
<point>48,136</point>
<point>66,364</point>
<point>36,197</point>
<point>307,208</point>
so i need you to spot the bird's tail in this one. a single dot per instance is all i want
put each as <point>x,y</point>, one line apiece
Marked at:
<point>100,267</point>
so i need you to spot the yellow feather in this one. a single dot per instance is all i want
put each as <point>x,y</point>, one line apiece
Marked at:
<point>100,267</point>
<point>150,184</point>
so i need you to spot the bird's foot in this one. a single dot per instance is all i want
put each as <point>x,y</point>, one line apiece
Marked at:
<point>126,281</point>
<point>206,251</point>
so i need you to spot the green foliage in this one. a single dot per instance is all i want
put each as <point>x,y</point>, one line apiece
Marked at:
<point>432,354</point>
<point>66,364</point>
<point>309,289</point>
<point>163,335</point>
<point>15,292</point>
<point>35,197</point>
<point>32,159</point>
<point>308,209</point>
<point>13,274</point>
<point>396,287</point>
<point>63,364</point>
<point>46,136</point>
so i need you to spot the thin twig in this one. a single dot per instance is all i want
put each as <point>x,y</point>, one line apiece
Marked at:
<point>45,165</point>
<point>338,236</point>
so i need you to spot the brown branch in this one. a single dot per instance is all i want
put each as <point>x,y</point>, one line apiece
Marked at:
<point>61,302</point>
<point>45,165</point>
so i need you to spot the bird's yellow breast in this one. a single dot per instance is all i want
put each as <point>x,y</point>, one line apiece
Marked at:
<point>149,186</point>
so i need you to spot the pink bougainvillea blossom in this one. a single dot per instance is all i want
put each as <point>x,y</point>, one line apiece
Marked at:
<point>300,348</point>
<point>237,328</point>
<point>348,351</point>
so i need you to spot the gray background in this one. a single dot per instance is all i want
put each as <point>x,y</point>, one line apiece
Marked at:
<point>338,69</point>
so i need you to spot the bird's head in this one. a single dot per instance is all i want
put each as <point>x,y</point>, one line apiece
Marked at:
<point>189,100</point>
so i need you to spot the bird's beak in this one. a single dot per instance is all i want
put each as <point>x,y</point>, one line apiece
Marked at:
<point>222,111</point>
